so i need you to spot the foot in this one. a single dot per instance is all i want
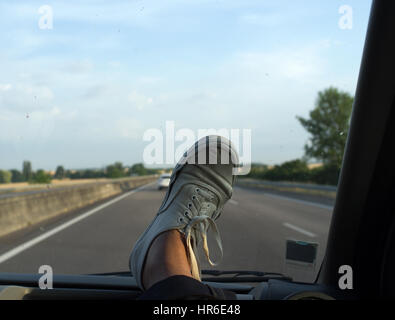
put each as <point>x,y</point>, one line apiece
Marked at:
<point>195,198</point>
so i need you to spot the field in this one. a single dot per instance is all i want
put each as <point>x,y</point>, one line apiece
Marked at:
<point>25,186</point>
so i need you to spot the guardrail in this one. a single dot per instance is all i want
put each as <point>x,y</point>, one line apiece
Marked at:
<point>306,188</point>
<point>20,211</point>
<point>309,186</point>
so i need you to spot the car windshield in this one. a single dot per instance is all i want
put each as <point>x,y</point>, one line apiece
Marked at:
<point>98,100</point>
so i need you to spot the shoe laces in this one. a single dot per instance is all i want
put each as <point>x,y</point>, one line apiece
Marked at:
<point>197,226</point>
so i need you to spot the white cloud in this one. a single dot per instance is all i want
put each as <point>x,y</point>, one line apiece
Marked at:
<point>5,87</point>
<point>300,64</point>
<point>26,98</point>
<point>139,100</point>
<point>78,67</point>
<point>149,80</point>
<point>130,128</point>
<point>85,86</point>
<point>96,91</point>
<point>34,126</point>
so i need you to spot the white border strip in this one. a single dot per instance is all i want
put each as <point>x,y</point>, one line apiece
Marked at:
<point>300,230</point>
<point>24,246</point>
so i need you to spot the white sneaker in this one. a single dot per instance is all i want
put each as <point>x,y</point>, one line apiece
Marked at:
<point>195,198</point>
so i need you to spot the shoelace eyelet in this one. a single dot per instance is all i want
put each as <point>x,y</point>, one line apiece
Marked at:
<point>189,205</point>
<point>193,197</point>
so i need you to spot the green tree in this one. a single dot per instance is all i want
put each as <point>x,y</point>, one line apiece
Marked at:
<point>328,125</point>
<point>68,174</point>
<point>325,175</point>
<point>17,176</point>
<point>5,176</point>
<point>92,174</point>
<point>27,170</point>
<point>115,170</point>
<point>258,170</point>
<point>41,177</point>
<point>60,173</point>
<point>294,170</point>
<point>138,169</point>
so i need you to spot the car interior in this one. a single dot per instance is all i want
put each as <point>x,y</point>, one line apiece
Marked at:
<point>362,231</point>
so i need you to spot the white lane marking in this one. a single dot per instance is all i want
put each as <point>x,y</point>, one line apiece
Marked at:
<point>302,231</point>
<point>24,246</point>
<point>323,206</point>
<point>233,202</point>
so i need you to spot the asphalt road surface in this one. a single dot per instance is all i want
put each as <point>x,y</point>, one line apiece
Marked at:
<point>254,227</point>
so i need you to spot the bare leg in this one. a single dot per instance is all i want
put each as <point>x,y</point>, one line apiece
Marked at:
<point>166,257</point>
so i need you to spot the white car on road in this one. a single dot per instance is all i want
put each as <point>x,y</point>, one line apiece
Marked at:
<point>164,181</point>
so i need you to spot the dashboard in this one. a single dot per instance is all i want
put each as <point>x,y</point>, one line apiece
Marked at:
<point>94,287</point>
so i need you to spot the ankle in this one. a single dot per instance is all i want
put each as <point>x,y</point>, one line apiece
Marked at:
<point>166,257</point>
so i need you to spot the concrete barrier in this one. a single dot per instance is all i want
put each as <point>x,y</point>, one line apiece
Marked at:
<point>302,188</point>
<point>21,211</point>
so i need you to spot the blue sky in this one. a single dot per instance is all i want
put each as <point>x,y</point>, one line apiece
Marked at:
<point>83,93</point>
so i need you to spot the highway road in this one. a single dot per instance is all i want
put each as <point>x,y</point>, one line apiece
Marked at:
<point>254,227</point>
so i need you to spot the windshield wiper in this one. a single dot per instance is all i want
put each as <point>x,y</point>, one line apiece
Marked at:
<point>242,276</point>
